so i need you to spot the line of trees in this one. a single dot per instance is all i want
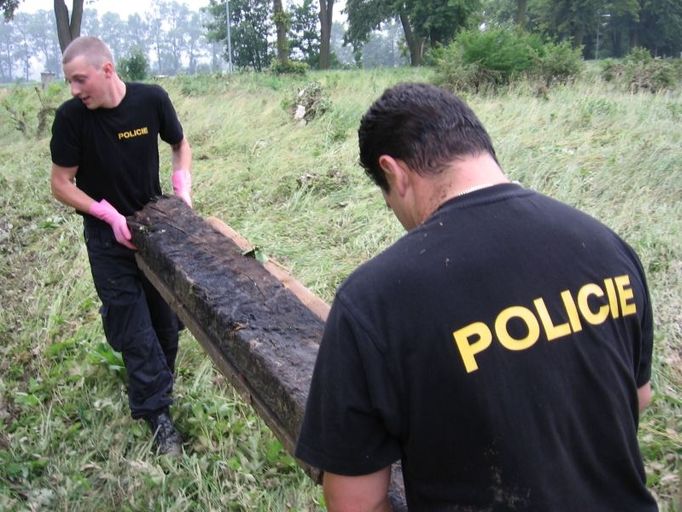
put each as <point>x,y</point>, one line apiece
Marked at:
<point>603,28</point>
<point>378,32</point>
<point>171,36</point>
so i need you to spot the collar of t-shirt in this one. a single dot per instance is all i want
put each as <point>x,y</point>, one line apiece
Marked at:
<point>484,195</point>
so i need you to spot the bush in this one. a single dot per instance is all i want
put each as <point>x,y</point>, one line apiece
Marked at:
<point>134,67</point>
<point>290,67</point>
<point>33,119</point>
<point>639,71</point>
<point>559,63</point>
<point>479,59</point>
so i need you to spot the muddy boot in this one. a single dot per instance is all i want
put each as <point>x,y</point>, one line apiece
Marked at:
<point>167,439</point>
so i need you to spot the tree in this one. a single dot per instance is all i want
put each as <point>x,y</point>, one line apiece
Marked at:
<point>195,41</point>
<point>43,33</point>
<point>425,22</point>
<point>90,25</point>
<point>7,47</point>
<point>135,66</point>
<point>660,27</point>
<point>68,28</point>
<point>174,18</point>
<point>8,7</point>
<point>326,13</point>
<point>113,31</point>
<point>281,20</point>
<point>22,48</point>
<point>303,34</point>
<point>343,53</point>
<point>383,48</point>
<point>367,16</point>
<point>138,30</point>
<point>250,30</point>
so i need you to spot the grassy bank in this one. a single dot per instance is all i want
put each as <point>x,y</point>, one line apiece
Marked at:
<point>66,440</point>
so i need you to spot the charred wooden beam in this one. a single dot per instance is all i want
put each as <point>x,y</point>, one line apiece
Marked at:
<point>260,326</point>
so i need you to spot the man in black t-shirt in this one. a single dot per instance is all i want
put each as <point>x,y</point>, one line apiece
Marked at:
<point>501,349</point>
<point>105,164</point>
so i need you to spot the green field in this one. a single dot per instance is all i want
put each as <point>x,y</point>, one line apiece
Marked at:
<point>66,440</point>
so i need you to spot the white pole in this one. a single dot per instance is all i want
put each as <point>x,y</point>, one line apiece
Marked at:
<point>229,37</point>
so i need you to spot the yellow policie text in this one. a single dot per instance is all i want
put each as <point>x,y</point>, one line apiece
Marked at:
<point>129,134</point>
<point>477,336</point>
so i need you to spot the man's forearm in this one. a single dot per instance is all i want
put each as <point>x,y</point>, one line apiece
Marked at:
<point>366,493</point>
<point>182,156</point>
<point>65,190</point>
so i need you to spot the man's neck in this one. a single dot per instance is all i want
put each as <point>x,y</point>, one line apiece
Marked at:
<point>463,176</point>
<point>117,93</point>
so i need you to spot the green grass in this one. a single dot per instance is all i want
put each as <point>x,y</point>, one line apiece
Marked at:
<point>66,439</point>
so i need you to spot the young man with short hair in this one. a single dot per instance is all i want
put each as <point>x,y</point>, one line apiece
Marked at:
<point>105,164</point>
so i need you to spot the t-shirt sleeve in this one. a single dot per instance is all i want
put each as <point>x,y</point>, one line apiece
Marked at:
<point>65,148</point>
<point>170,129</point>
<point>643,370</point>
<point>351,402</point>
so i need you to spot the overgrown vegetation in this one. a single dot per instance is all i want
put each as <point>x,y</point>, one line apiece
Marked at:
<point>478,60</point>
<point>639,71</point>
<point>134,67</point>
<point>290,67</point>
<point>66,440</point>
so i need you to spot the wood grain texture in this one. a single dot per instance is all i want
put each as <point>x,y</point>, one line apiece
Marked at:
<point>259,325</point>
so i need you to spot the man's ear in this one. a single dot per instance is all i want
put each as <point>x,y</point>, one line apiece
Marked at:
<point>396,173</point>
<point>108,68</point>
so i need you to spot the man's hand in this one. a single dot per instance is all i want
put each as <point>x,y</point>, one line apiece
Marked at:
<point>104,211</point>
<point>182,185</point>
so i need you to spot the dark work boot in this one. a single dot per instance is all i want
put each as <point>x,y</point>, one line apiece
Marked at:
<point>167,439</point>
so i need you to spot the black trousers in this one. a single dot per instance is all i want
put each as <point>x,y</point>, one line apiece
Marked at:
<point>137,321</point>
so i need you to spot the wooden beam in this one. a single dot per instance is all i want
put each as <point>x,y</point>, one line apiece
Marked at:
<point>259,325</point>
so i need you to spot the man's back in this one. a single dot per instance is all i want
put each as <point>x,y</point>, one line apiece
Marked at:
<point>498,350</point>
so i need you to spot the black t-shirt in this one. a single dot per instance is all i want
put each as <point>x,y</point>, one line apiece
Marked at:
<point>497,350</point>
<point>116,150</point>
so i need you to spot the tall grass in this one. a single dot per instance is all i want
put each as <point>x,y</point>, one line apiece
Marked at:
<point>66,440</point>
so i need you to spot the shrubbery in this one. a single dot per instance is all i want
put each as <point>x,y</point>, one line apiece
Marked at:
<point>639,71</point>
<point>290,67</point>
<point>478,60</point>
<point>33,119</point>
<point>135,67</point>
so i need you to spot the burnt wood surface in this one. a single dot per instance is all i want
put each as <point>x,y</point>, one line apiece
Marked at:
<point>260,335</point>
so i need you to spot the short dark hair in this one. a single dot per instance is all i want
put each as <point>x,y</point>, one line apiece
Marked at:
<point>423,125</point>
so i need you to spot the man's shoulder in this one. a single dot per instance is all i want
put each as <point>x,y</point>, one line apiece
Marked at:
<point>72,107</point>
<point>376,274</point>
<point>138,89</point>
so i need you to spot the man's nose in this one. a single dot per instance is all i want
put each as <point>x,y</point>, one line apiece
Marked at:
<point>75,90</point>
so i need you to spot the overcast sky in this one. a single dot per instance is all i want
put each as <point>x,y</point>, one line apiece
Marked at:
<point>126,7</point>
<point>123,7</point>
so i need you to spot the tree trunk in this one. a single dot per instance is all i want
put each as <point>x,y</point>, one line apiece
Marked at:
<point>280,19</point>
<point>414,43</point>
<point>520,14</point>
<point>68,29</point>
<point>326,12</point>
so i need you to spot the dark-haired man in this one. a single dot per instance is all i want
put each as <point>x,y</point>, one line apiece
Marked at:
<point>501,349</point>
<point>105,164</point>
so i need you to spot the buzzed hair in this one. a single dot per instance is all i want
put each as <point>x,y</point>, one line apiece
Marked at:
<point>93,49</point>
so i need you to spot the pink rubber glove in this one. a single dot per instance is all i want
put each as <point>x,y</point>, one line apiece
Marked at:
<point>104,211</point>
<point>182,185</point>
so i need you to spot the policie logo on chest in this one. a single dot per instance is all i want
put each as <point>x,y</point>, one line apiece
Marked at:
<point>130,134</point>
<point>478,336</point>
